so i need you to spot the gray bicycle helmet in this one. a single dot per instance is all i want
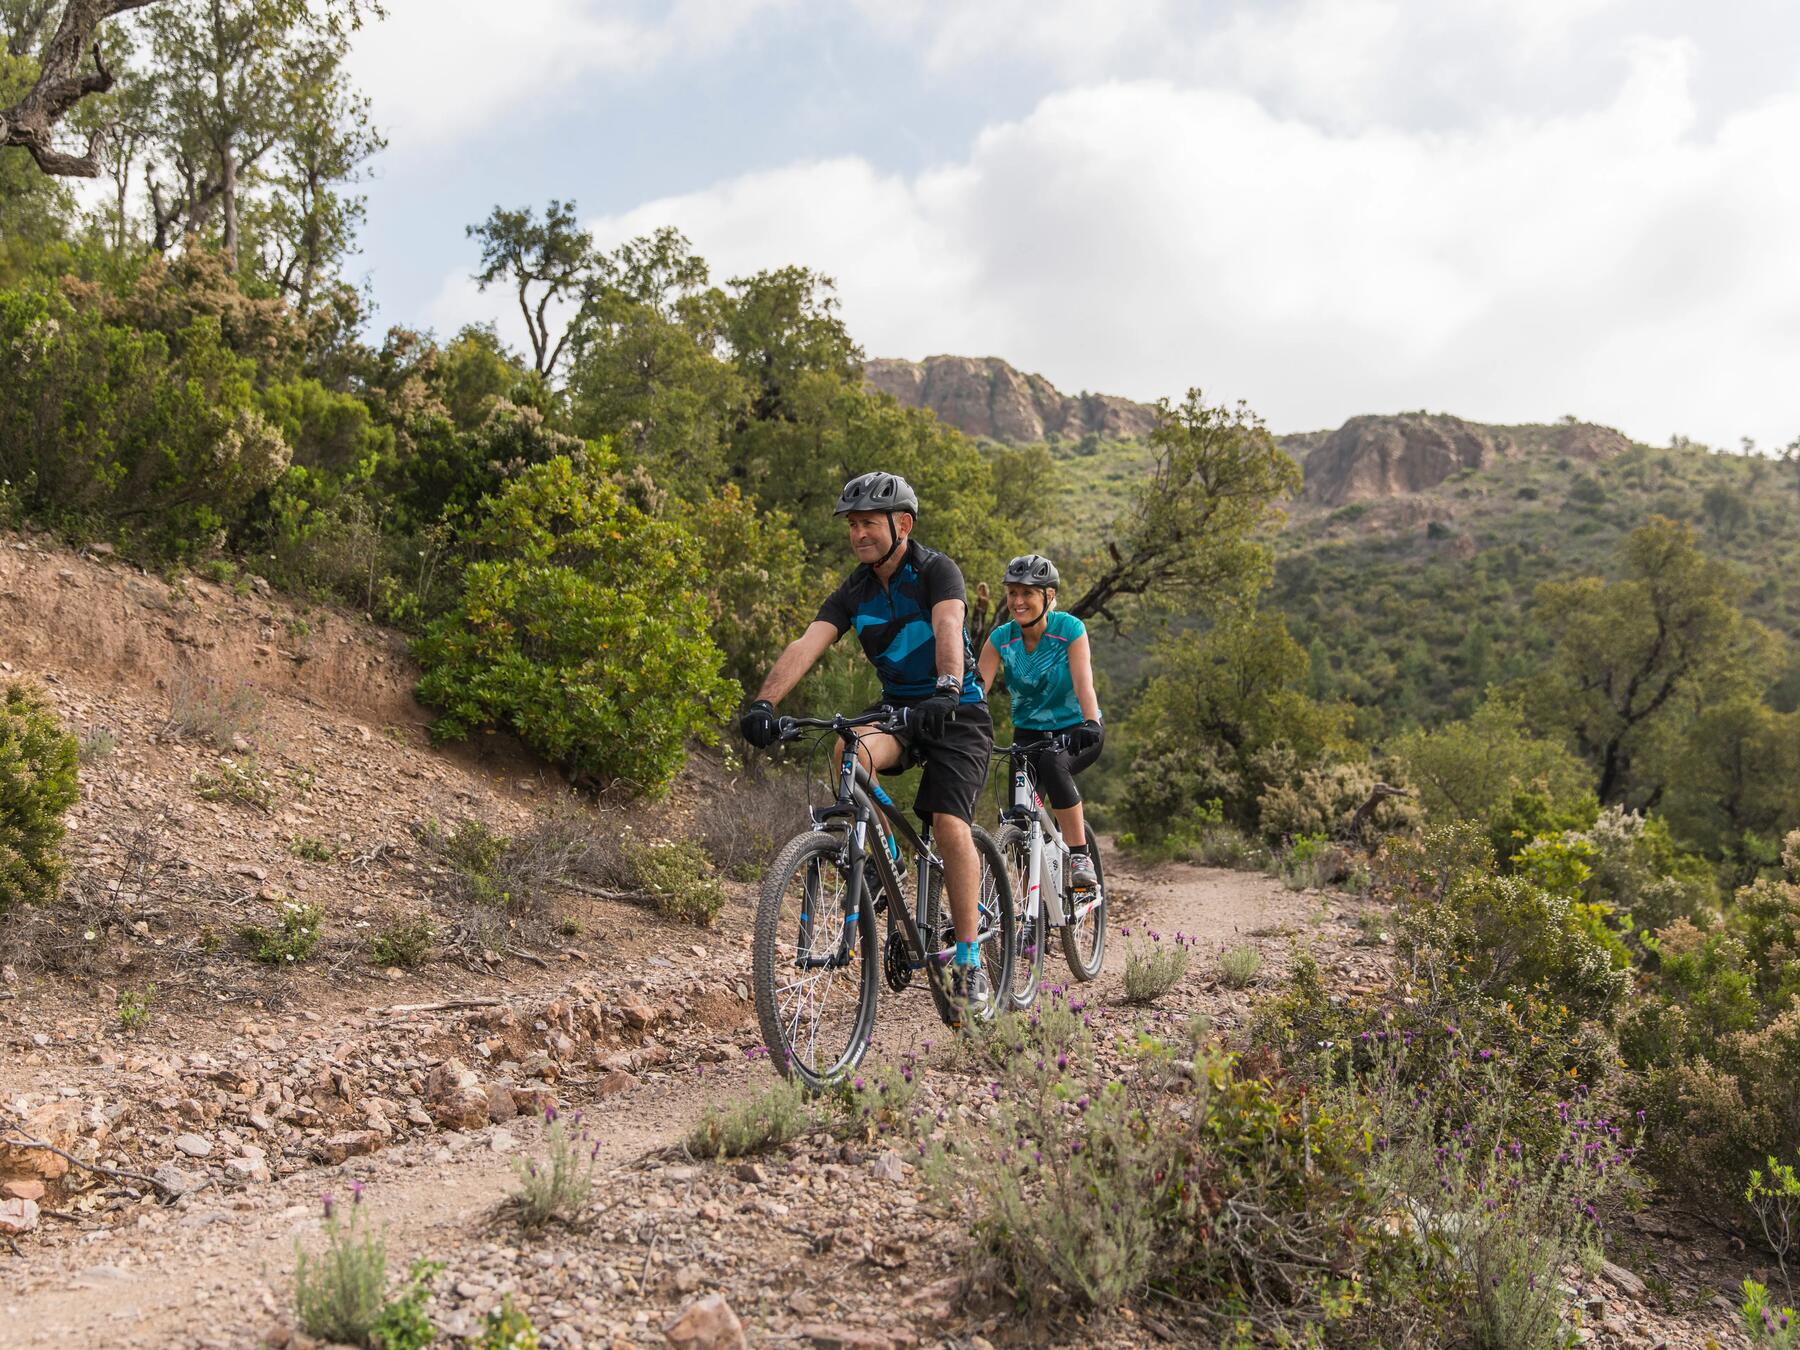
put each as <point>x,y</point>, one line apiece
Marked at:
<point>1032,569</point>
<point>878,491</point>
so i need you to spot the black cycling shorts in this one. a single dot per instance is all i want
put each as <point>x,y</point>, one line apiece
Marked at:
<point>955,764</point>
<point>1055,767</point>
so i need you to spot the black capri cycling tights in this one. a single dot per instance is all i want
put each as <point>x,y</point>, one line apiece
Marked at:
<point>1055,767</point>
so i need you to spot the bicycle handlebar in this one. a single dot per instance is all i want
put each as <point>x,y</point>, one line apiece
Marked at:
<point>889,718</point>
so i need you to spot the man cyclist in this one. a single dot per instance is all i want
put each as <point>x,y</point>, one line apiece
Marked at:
<point>906,603</point>
<point>1050,673</point>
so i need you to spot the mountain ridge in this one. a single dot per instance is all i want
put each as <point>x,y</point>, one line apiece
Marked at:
<point>1372,456</point>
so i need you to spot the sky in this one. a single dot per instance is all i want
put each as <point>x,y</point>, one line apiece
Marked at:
<point>1512,210</point>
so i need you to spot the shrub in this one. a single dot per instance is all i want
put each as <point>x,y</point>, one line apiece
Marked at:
<point>507,1328</point>
<point>556,1186</point>
<point>1464,770</point>
<point>37,787</point>
<point>134,1007</point>
<point>1768,1325</point>
<point>1154,969</point>
<point>310,848</point>
<point>678,879</point>
<point>98,746</point>
<point>1466,930</point>
<point>580,628</point>
<point>402,1323</point>
<point>1312,861</point>
<point>237,780</point>
<point>753,1124</point>
<point>158,436</point>
<point>1089,1185</point>
<point>404,943</point>
<point>743,825</point>
<point>338,1293</point>
<point>879,1103</point>
<point>1239,967</point>
<point>291,940</point>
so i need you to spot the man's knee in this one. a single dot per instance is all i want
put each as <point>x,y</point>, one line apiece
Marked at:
<point>952,831</point>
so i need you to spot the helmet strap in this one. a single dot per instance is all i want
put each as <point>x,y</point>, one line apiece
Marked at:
<point>1043,609</point>
<point>894,536</point>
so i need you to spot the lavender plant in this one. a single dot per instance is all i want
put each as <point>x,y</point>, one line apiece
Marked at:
<point>1153,970</point>
<point>558,1184</point>
<point>339,1292</point>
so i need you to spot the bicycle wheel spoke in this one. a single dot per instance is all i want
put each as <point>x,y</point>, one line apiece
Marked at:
<point>813,984</point>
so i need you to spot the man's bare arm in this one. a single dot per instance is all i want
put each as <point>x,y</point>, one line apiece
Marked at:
<point>801,655</point>
<point>947,627</point>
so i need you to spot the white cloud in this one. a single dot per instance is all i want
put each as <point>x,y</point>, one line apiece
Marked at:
<point>437,69</point>
<point>1140,237</point>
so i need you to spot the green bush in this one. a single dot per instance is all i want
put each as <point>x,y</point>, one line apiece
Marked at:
<point>1481,935</point>
<point>102,426</point>
<point>754,1124</point>
<point>291,940</point>
<point>338,1292</point>
<point>38,762</point>
<point>1087,1184</point>
<point>404,943</point>
<point>677,877</point>
<point>582,630</point>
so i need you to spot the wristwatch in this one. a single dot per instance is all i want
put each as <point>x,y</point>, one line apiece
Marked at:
<point>949,684</point>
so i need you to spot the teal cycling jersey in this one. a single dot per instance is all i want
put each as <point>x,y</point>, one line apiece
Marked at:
<point>1040,681</point>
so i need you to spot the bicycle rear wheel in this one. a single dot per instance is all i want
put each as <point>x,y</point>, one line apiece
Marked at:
<point>1084,939</point>
<point>1030,930</point>
<point>814,964</point>
<point>994,926</point>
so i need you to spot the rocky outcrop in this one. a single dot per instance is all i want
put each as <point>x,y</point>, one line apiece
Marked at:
<point>1375,457</point>
<point>985,396</point>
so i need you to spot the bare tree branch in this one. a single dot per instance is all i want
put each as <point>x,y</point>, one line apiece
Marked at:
<point>64,81</point>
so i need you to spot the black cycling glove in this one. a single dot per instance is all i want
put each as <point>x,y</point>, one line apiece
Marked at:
<point>1085,737</point>
<point>931,715</point>
<point>757,725</point>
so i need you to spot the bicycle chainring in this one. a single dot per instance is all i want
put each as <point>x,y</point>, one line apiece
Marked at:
<point>896,962</point>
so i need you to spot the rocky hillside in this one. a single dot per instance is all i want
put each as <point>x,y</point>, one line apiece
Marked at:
<point>1370,457</point>
<point>985,396</point>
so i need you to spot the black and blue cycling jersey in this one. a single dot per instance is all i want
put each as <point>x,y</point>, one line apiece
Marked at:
<point>893,622</point>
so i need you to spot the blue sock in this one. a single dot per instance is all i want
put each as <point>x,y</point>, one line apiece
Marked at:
<point>968,953</point>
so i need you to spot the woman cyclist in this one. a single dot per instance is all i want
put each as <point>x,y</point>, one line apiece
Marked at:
<point>1051,678</point>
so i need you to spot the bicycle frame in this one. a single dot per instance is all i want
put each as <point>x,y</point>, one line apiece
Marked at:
<point>1029,812</point>
<point>859,801</point>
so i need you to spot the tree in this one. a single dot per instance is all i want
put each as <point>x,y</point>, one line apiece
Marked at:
<point>1734,785</point>
<point>647,365</point>
<point>1462,771</point>
<point>1627,650</point>
<point>1727,510</point>
<point>232,81</point>
<point>1194,528</point>
<point>62,81</point>
<point>307,225</point>
<point>548,262</point>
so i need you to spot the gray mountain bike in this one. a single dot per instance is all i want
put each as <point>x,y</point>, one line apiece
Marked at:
<point>1037,865</point>
<point>818,959</point>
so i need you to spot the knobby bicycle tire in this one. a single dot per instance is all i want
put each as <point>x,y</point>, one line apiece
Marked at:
<point>1028,946</point>
<point>1085,965</point>
<point>773,974</point>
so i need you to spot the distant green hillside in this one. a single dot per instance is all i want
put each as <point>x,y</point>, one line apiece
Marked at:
<point>1414,603</point>
<point>1410,604</point>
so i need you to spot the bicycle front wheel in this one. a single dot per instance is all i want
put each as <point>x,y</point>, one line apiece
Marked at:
<point>1084,940</point>
<point>1030,930</point>
<point>815,964</point>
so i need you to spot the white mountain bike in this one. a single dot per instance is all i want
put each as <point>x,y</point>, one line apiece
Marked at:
<point>1037,864</point>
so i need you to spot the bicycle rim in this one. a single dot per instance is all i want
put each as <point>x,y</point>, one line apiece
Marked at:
<point>1084,939</point>
<point>814,964</point>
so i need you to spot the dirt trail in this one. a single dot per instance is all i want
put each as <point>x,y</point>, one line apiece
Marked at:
<point>216,1271</point>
